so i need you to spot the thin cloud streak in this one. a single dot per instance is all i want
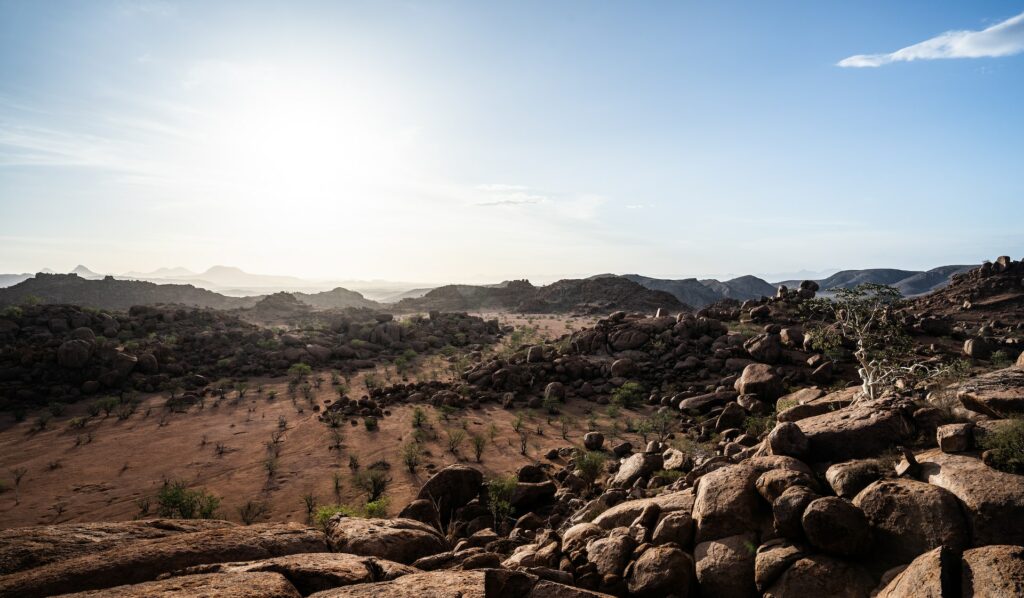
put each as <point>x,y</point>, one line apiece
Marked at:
<point>1002,39</point>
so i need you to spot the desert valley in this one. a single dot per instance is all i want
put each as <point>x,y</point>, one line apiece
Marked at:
<point>560,299</point>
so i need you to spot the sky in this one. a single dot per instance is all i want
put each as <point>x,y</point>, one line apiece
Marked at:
<point>479,141</point>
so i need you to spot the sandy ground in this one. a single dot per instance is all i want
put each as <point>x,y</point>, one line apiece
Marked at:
<point>102,471</point>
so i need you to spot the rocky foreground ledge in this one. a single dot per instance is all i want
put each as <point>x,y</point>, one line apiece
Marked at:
<point>815,509</point>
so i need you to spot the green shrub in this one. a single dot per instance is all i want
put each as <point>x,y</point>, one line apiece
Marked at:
<point>371,423</point>
<point>325,512</point>
<point>755,425</point>
<point>1005,446</point>
<point>376,509</point>
<point>499,498</point>
<point>299,370</point>
<point>176,500</point>
<point>628,396</point>
<point>589,465</point>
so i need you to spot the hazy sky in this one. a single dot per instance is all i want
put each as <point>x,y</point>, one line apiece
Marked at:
<point>467,141</point>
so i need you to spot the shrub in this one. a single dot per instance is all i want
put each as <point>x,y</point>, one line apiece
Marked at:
<point>589,465</point>
<point>371,423</point>
<point>376,509</point>
<point>176,500</point>
<point>57,409</point>
<point>1001,359</point>
<point>479,444</point>
<point>326,512</point>
<point>499,498</point>
<point>373,482</point>
<point>755,425</point>
<point>251,511</point>
<point>411,456</point>
<point>299,370</point>
<point>628,396</point>
<point>455,439</point>
<point>1005,447</point>
<point>419,417</point>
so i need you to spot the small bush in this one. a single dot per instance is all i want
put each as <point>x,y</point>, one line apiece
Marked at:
<point>299,370</point>
<point>373,482</point>
<point>176,500</point>
<point>324,514</point>
<point>371,423</point>
<point>251,511</point>
<point>628,396</point>
<point>412,456</point>
<point>376,509</point>
<point>455,439</point>
<point>589,465</point>
<point>1005,447</point>
<point>499,498</point>
<point>479,444</point>
<point>756,425</point>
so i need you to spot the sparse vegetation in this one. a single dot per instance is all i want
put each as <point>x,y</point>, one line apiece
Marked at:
<point>589,465</point>
<point>176,500</point>
<point>628,396</point>
<point>1005,446</point>
<point>251,511</point>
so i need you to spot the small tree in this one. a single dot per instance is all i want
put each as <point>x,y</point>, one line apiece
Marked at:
<point>251,511</point>
<point>865,316</point>
<point>411,456</point>
<point>479,443</point>
<point>499,499</point>
<point>628,396</point>
<point>455,439</point>
<point>18,473</point>
<point>373,482</point>
<point>589,465</point>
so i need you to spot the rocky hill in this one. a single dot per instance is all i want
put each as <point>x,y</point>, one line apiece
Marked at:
<point>61,353</point>
<point>108,293</point>
<point>738,463</point>
<point>909,282</point>
<point>592,295</point>
<point>338,298</point>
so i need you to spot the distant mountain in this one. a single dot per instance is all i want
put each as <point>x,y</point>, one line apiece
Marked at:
<point>338,298</point>
<point>741,288</point>
<point>161,273</point>
<point>909,282</point>
<point>109,293</point>
<point>591,295</point>
<point>7,280</point>
<point>410,294</point>
<point>84,272</point>
<point>229,276</point>
<point>687,290</point>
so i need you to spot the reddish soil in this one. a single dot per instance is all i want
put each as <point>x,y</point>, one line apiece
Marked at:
<point>125,461</point>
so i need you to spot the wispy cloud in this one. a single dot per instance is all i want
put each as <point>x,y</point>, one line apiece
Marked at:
<point>509,195</point>
<point>1002,39</point>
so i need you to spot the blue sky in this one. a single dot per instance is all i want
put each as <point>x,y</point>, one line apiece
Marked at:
<point>467,141</point>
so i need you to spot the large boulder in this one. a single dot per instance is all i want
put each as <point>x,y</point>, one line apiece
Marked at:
<point>934,574</point>
<point>820,575</point>
<point>727,502</point>
<point>992,500</point>
<point>228,585</point>
<point>452,488</point>
<point>74,354</point>
<point>725,567</point>
<point>909,518</point>
<point>760,379</point>
<point>993,571</point>
<point>835,526</point>
<point>485,583</point>
<point>145,560</point>
<point>27,547</point>
<point>626,512</point>
<point>850,477</point>
<point>661,571</point>
<point>316,572</point>
<point>996,393</point>
<point>400,540</point>
<point>772,560</point>
<point>863,429</point>
<point>612,553</point>
<point>640,465</point>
